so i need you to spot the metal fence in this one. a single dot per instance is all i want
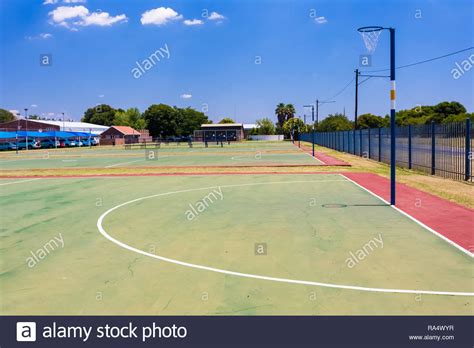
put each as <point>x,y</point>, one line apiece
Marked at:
<point>437,149</point>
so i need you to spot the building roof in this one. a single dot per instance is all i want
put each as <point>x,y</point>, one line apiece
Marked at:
<point>250,126</point>
<point>214,125</point>
<point>68,124</point>
<point>125,130</point>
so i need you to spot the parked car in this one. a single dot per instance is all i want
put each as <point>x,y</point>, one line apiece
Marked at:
<point>7,146</point>
<point>86,142</point>
<point>95,141</point>
<point>31,144</point>
<point>50,143</point>
<point>68,142</point>
<point>79,143</point>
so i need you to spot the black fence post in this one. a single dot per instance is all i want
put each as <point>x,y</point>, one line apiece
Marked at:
<point>433,145</point>
<point>368,130</point>
<point>354,142</point>
<point>468,150</point>
<point>380,144</point>
<point>409,147</point>
<point>360,142</point>
<point>343,142</point>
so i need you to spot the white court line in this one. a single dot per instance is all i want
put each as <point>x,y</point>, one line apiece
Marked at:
<point>119,164</point>
<point>248,275</point>
<point>310,155</point>
<point>467,252</point>
<point>18,182</point>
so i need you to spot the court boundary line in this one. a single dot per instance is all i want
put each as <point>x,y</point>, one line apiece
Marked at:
<point>249,275</point>
<point>17,182</point>
<point>429,229</point>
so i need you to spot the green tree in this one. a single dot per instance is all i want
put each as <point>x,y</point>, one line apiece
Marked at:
<point>6,116</point>
<point>265,126</point>
<point>162,120</point>
<point>294,126</point>
<point>190,120</point>
<point>371,121</point>
<point>336,122</point>
<point>280,111</point>
<point>290,111</point>
<point>131,117</point>
<point>426,114</point>
<point>226,120</point>
<point>284,113</point>
<point>101,114</point>
<point>459,118</point>
<point>445,109</point>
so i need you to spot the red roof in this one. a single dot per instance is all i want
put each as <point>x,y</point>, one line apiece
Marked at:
<point>125,130</point>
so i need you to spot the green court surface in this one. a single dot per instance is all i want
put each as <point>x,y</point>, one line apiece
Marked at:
<point>253,154</point>
<point>113,233</point>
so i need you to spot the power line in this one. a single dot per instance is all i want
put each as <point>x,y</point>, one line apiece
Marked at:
<point>425,61</point>
<point>342,90</point>
<point>365,80</point>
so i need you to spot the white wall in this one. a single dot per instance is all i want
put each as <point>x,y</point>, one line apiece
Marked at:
<point>267,137</point>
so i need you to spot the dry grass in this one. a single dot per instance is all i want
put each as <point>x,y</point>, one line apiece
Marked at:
<point>455,191</point>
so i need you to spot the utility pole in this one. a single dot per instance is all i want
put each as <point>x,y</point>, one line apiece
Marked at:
<point>26,126</point>
<point>317,108</point>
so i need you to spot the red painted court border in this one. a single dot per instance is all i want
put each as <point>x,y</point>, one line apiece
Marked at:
<point>321,156</point>
<point>450,220</point>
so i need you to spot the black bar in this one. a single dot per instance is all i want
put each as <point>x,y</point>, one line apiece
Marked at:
<point>243,331</point>
<point>433,146</point>
<point>467,150</point>
<point>409,147</point>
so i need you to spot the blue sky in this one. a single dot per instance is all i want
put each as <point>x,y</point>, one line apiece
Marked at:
<point>306,50</point>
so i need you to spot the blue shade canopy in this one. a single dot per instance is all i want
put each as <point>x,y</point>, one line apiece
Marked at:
<point>51,134</point>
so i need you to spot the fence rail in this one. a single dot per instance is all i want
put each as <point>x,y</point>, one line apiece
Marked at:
<point>438,149</point>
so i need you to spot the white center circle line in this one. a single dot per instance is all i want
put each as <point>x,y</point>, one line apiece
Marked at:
<point>249,275</point>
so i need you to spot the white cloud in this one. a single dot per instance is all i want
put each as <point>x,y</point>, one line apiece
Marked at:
<point>101,95</point>
<point>64,15</point>
<point>186,96</point>
<point>34,105</point>
<point>321,20</point>
<point>42,36</point>
<point>101,19</point>
<point>160,16</point>
<point>193,22</point>
<point>214,16</point>
<point>52,2</point>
